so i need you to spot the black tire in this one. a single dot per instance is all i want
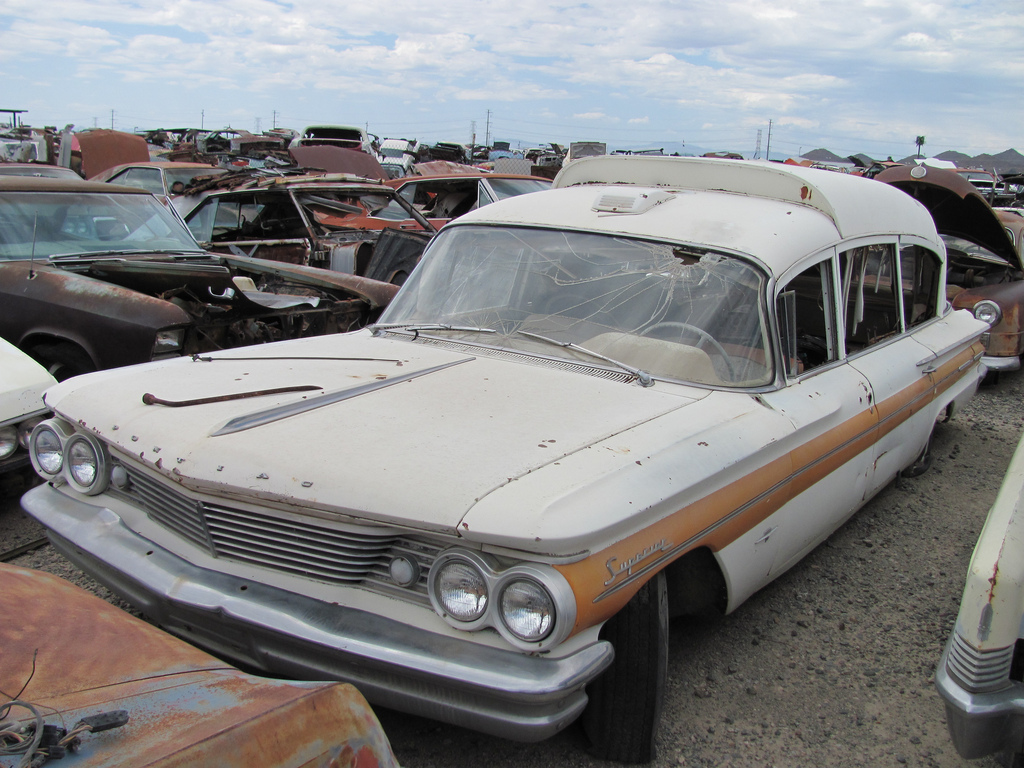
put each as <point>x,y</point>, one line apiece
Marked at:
<point>63,359</point>
<point>922,463</point>
<point>621,718</point>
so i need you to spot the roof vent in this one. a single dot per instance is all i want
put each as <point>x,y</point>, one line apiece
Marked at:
<point>631,202</point>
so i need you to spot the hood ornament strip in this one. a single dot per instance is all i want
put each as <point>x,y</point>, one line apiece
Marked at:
<point>259,418</point>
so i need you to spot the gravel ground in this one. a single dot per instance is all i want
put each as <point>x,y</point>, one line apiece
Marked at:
<point>830,665</point>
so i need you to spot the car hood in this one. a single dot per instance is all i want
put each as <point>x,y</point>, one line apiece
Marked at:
<point>956,206</point>
<point>417,435</point>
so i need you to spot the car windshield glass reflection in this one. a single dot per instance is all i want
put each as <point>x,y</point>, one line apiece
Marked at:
<point>675,312</point>
<point>47,224</point>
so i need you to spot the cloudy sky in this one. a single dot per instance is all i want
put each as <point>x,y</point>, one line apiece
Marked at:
<point>850,75</point>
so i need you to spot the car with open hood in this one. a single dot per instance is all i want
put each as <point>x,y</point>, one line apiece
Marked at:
<point>984,271</point>
<point>645,392</point>
<point>95,276</point>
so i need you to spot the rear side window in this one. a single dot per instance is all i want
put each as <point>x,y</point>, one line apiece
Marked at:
<point>870,295</point>
<point>920,270</point>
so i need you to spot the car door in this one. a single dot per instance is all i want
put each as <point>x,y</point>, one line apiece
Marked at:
<point>830,404</point>
<point>879,346</point>
<point>265,225</point>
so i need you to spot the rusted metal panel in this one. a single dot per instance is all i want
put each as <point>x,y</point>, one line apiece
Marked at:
<point>338,160</point>
<point>185,707</point>
<point>102,149</point>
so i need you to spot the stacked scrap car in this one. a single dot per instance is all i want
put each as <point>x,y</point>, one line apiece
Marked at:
<point>95,276</point>
<point>645,392</point>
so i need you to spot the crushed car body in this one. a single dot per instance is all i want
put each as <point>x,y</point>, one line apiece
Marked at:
<point>645,392</point>
<point>338,222</point>
<point>95,276</point>
<point>101,688</point>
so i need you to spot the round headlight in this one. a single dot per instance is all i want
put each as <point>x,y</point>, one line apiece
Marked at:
<point>46,450</point>
<point>528,610</point>
<point>988,312</point>
<point>85,465</point>
<point>461,590</point>
<point>8,441</point>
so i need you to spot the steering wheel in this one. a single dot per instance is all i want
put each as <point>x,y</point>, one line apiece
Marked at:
<point>703,337</point>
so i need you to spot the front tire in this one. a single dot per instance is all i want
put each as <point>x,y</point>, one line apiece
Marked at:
<point>621,719</point>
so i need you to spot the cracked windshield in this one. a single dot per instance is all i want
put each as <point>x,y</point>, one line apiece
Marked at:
<point>658,309</point>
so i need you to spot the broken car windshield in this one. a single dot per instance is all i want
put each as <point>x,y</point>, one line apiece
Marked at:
<point>677,312</point>
<point>43,224</point>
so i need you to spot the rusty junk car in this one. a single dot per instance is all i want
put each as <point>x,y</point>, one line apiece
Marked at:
<point>985,273</point>
<point>95,276</point>
<point>981,673</point>
<point>339,222</point>
<point>99,688</point>
<point>646,392</point>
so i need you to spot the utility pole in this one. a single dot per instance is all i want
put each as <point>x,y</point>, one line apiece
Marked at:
<point>472,139</point>
<point>111,119</point>
<point>202,119</point>
<point>757,149</point>
<point>274,119</point>
<point>487,134</point>
<point>768,149</point>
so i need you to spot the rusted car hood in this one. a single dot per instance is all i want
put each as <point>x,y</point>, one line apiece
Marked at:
<point>956,205</point>
<point>431,455</point>
<point>184,706</point>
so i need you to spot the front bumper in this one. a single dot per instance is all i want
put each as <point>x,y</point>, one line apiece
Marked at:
<point>981,723</point>
<point>501,692</point>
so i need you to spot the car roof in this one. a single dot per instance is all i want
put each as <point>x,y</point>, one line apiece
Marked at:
<point>778,214</point>
<point>43,184</point>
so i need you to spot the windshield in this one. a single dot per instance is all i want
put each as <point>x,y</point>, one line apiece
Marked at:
<point>42,224</point>
<point>671,311</point>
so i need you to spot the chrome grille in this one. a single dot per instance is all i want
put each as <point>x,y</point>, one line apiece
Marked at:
<point>979,670</point>
<point>307,548</point>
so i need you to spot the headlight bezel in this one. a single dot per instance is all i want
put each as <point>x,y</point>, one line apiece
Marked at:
<point>496,579</point>
<point>62,433</point>
<point>101,472</point>
<point>987,306</point>
<point>68,438</point>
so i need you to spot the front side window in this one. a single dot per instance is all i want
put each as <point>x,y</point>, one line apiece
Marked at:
<point>670,310</point>
<point>807,320</point>
<point>869,294</point>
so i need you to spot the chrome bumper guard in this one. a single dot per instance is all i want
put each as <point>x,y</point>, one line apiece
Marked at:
<point>1008,363</point>
<point>983,723</point>
<point>504,693</point>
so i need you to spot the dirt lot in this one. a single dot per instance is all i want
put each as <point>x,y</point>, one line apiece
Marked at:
<point>831,665</point>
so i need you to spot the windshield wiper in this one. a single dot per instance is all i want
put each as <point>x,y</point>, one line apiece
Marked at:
<point>415,329</point>
<point>85,255</point>
<point>642,377</point>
